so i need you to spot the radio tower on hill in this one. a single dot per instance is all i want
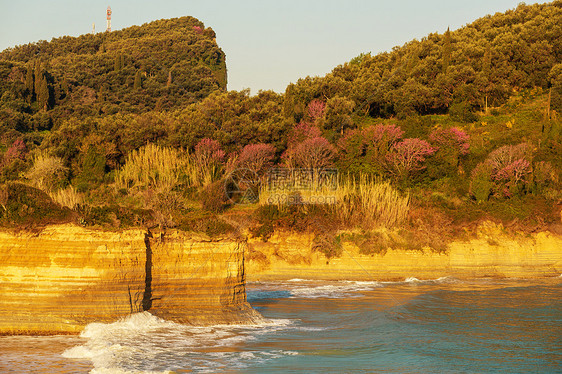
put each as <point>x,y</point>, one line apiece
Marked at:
<point>108,19</point>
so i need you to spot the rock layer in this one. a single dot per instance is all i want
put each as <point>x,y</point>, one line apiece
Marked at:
<point>64,277</point>
<point>493,253</point>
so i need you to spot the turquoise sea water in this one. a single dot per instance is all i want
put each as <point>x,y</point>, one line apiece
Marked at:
<point>437,326</point>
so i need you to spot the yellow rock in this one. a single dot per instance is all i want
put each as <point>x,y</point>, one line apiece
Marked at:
<point>65,277</point>
<point>493,253</point>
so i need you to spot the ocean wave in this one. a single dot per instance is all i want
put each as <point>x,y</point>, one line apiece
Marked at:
<point>441,280</point>
<point>143,341</point>
<point>335,290</point>
<point>313,289</point>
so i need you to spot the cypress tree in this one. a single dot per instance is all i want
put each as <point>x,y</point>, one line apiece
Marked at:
<point>43,94</point>
<point>138,81</point>
<point>29,82</point>
<point>169,81</point>
<point>117,63</point>
<point>487,61</point>
<point>38,76</point>
<point>446,50</point>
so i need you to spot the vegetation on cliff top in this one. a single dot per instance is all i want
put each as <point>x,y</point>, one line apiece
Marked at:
<point>135,128</point>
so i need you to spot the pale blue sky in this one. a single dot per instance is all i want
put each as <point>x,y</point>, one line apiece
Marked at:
<point>268,44</point>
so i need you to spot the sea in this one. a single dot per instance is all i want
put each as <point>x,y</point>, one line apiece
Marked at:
<point>444,325</point>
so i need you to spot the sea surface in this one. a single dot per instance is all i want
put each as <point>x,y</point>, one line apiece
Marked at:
<point>414,326</point>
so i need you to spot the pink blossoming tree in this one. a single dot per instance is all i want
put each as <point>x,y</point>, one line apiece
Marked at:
<point>313,153</point>
<point>408,157</point>
<point>257,158</point>
<point>507,171</point>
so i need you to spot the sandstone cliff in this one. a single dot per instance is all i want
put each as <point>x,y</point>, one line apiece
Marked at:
<point>493,253</point>
<point>64,277</point>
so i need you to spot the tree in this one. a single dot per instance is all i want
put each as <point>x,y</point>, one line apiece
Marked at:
<point>117,63</point>
<point>338,114</point>
<point>316,110</point>
<point>138,81</point>
<point>367,149</point>
<point>408,157</point>
<point>450,145</point>
<point>313,153</point>
<point>38,75</point>
<point>446,50</point>
<point>555,77</point>
<point>257,158</point>
<point>506,172</point>
<point>29,82</point>
<point>43,94</point>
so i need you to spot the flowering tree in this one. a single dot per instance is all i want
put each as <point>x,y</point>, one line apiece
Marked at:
<point>313,153</point>
<point>452,140</point>
<point>380,139</point>
<point>316,109</point>
<point>408,157</point>
<point>17,150</point>
<point>451,145</point>
<point>257,158</point>
<point>208,152</point>
<point>507,171</point>
<point>368,148</point>
<point>302,132</point>
<point>304,145</point>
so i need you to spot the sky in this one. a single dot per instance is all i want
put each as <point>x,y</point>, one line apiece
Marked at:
<point>268,44</point>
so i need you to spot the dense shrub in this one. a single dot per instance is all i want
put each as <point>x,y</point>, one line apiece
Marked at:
<point>22,205</point>
<point>450,144</point>
<point>506,172</point>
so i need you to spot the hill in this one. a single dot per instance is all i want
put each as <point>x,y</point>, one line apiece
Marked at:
<point>428,139</point>
<point>473,68</point>
<point>160,65</point>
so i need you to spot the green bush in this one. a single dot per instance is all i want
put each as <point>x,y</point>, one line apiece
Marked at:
<point>462,112</point>
<point>23,205</point>
<point>481,183</point>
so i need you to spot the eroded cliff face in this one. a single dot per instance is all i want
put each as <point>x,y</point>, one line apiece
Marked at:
<point>64,277</point>
<point>493,253</point>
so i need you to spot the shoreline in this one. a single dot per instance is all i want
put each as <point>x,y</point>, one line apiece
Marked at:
<point>56,281</point>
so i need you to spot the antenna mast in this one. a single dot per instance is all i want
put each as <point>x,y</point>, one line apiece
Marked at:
<point>108,19</point>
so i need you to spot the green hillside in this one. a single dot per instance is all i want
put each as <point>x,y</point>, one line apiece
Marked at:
<point>136,128</point>
<point>161,65</point>
<point>481,64</point>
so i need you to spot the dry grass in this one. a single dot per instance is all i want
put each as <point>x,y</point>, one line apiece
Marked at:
<point>67,197</point>
<point>162,168</point>
<point>366,202</point>
<point>370,202</point>
<point>46,172</point>
<point>153,167</point>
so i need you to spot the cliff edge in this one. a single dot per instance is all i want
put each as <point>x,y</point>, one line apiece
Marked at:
<point>492,253</point>
<point>64,277</point>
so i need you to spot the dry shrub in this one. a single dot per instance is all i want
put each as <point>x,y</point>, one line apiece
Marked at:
<point>47,173</point>
<point>67,197</point>
<point>370,202</point>
<point>153,167</point>
<point>366,202</point>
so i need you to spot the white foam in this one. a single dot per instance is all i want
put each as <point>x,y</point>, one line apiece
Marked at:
<point>334,291</point>
<point>125,346</point>
<point>441,280</point>
<point>412,280</point>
